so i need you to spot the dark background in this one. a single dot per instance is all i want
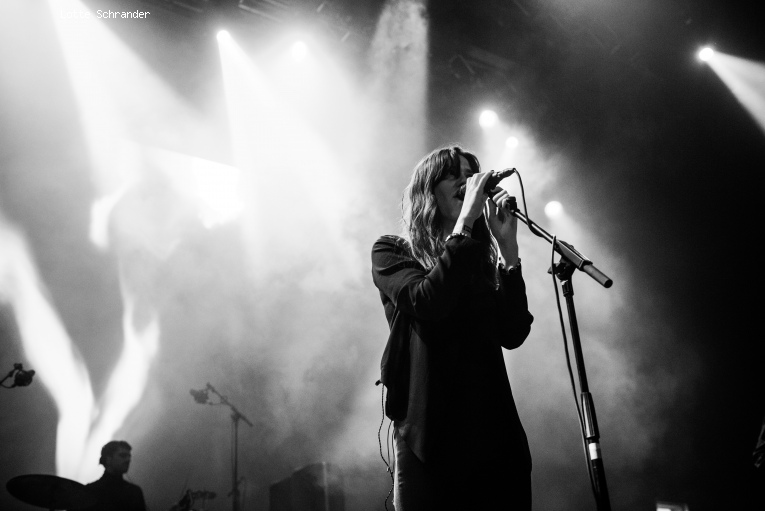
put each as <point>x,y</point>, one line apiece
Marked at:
<point>662,162</point>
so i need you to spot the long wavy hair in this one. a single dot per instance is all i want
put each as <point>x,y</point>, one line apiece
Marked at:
<point>421,218</point>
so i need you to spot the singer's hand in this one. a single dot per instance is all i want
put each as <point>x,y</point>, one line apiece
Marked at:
<point>475,198</point>
<point>503,225</point>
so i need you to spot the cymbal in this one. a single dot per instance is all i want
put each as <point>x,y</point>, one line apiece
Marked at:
<point>50,492</point>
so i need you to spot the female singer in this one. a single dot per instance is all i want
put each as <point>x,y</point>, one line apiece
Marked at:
<point>454,296</point>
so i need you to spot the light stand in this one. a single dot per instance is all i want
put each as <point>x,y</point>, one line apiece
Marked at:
<point>572,260</point>
<point>200,396</point>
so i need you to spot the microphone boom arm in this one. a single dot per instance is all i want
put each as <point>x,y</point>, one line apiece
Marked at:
<point>566,250</point>
<point>224,401</point>
<point>235,417</point>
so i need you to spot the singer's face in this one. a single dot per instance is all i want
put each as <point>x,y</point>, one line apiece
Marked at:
<point>446,192</point>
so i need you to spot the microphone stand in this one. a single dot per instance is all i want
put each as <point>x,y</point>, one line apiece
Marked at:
<point>236,416</point>
<point>572,260</point>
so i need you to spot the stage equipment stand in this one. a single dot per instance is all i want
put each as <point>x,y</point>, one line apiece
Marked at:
<point>572,260</point>
<point>236,416</point>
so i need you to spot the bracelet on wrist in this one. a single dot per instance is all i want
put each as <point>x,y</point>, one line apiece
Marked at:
<point>456,235</point>
<point>513,268</point>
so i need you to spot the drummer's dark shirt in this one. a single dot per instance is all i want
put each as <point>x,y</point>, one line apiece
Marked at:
<point>116,494</point>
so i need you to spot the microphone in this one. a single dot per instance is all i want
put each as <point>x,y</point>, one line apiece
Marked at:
<point>496,177</point>
<point>200,396</point>
<point>491,183</point>
<point>23,378</point>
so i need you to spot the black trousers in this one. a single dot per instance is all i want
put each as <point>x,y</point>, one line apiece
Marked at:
<point>462,485</point>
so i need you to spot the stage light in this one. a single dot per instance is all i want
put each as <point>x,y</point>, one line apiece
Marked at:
<point>511,142</point>
<point>670,506</point>
<point>706,53</point>
<point>299,50</point>
<point>488,118</point>
<point>223,35</point>
<point>553,209</point>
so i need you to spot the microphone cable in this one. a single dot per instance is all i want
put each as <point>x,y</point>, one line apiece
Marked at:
<point>387,442</point>
<point>568,364</point>
<point>531,224</point>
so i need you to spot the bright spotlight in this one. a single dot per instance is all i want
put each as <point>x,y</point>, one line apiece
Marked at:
<point>223,35</point>
<point>553,209</point>
<point>706,53</point>
<point>299,50</point>
<point>511,142</point>
<point>488,118</point>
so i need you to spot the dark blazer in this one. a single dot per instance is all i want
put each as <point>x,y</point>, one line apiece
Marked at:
<point>443,365</point>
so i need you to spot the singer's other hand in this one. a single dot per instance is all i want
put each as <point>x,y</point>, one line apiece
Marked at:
<point>503,225</point>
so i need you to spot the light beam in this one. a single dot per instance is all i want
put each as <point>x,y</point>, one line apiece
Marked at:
<point>746,80</point>
<point>117,96</point>
<point>50,350</point>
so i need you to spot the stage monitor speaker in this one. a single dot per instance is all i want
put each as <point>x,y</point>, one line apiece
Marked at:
<point>316,487</point>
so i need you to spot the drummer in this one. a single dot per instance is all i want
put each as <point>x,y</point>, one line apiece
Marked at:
<point>112,491</point>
